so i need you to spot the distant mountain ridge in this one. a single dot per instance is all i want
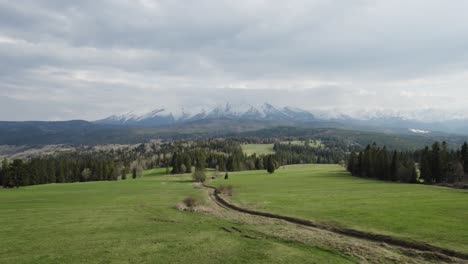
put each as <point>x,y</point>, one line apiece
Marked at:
<point>160,117</point>
<point>378,119</point>
<point>227,121</point>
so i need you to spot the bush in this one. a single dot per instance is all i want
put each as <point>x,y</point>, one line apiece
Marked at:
<point>190,202</point>
<point>228,190</point>
<point>86,174</point>
<point>199,176</point>
<point>183,168</point>
<point>271,164</point>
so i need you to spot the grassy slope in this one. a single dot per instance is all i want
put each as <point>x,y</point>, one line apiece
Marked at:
<point>132,221</point>
<point>258,149</point>
<point>327,193</point>
<point>263,149</point>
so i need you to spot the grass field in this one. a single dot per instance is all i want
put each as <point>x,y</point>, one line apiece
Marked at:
<point>264,149</point>
<point>328,194</point>
<point>259,149</point>
<point>132,221</point>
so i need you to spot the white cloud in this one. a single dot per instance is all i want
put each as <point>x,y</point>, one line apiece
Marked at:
<point>112,56</point>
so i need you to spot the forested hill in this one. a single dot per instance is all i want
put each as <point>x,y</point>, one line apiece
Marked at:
<point>86,133</point>
<point>61,132</point>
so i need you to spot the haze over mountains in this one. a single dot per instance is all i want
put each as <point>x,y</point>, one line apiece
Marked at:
<point>232,120</point>
<point>162,117</point>
<point>419,122</point>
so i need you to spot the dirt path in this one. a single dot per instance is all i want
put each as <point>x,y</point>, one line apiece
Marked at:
<point>405,246</point>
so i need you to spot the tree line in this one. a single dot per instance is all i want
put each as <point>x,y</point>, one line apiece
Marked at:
<point>57,169</point>
<point>432,165</point>
<point>178,156</point>
<point>299,154</point>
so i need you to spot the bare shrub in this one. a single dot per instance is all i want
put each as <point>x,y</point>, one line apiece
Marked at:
<point>189,204</point>
<point>181,207</point>
<point>199,176</point>
<point>227,190</point>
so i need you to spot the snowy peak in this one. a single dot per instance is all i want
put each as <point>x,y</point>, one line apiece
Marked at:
<point>161,117</point>
<point>419,131</point>
<point>417,122</point>
<point>157,117</point>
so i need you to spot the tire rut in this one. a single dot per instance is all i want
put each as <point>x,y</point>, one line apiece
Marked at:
<point>419,246</point>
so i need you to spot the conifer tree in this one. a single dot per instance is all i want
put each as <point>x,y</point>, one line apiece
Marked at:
<point>270,164</point>
<point>394,167</point>
<point>464,157</point>
<point>436,168</point>
<point>425,166</point>
<point>4,172</point>
<point>414,173</point>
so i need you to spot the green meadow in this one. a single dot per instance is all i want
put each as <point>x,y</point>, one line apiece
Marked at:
<point>132,221</point>
<point>136,221</point>
<point>329,195</point>
<point>259,149</point>
<point>265,149</point>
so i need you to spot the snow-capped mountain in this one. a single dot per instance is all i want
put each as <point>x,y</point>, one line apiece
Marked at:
<point>416,122</point>
<point>157,117</point>
<point>162,117</point>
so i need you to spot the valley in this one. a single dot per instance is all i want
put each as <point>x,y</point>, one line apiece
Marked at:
<point>138,220</point>
<point>214,131</point>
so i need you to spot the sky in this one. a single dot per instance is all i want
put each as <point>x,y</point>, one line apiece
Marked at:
<point>88,59</point>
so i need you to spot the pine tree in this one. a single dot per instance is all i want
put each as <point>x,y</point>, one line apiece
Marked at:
<point>444,162</point>
<point>4,173</point>
<point>464,157</point>
<point>366,163</point>
<point>436,168</point>
<point>352,163</point>
<point>17,173</point>
<point>51,172</point>
<point>385,164</point>
<point>270,164</point>
<point>200,160</point>
<point>360,165</point>
<point>414,174</point>
<point>394,167</point>
<point>176,163</point>
<point>425,166</point>
<point>187,164</point>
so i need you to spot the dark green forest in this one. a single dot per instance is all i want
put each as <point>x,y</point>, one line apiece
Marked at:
<point>176,156</point>
<point>437,164</point>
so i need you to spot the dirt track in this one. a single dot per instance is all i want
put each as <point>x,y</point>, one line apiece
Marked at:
<point>406,244</point>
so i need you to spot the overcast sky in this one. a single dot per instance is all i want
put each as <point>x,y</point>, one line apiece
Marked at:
<point>88,59</point>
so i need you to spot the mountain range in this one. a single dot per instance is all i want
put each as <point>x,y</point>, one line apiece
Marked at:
<point>230,120</point>
<point>160,117</point>
<point>381,121</point>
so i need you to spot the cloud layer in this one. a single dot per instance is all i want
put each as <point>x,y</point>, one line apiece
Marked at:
<point>87,59</point>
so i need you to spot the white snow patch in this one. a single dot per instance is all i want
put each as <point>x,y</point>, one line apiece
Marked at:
<point>418,131</point>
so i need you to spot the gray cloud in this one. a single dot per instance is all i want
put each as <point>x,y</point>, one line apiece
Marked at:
<point>87,59</point>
